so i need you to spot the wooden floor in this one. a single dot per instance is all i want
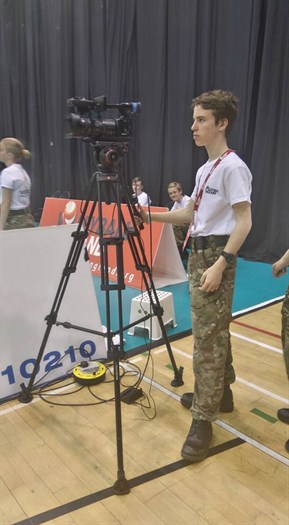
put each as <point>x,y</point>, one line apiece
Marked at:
<point>59,462</point>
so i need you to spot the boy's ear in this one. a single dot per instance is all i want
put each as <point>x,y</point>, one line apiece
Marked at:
<point>223,123</point>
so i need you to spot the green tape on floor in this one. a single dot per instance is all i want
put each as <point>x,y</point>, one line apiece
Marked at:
<point>259,413</point>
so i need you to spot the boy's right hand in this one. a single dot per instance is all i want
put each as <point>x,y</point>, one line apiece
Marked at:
<point>278,268</point>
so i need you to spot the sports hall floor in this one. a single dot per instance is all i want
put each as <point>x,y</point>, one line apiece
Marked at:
<point>60,457</point>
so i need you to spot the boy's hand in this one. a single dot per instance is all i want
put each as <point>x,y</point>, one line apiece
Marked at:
<point>278,268</point>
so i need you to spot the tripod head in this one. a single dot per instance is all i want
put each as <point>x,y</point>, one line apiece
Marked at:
<point>107,156</point>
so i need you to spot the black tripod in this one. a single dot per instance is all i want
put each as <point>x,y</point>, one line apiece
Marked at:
<point>110,188</point>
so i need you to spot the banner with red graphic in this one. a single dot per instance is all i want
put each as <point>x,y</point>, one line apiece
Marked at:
<point>157,240</point>
<point>28,286</point>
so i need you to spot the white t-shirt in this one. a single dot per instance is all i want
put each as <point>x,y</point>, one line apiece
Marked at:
<point>230,183</point>
<point>15,178</point>
<point>143,199</point>
<point>181,204</point>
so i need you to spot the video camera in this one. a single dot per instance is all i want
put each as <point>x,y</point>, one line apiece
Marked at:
<point>86,122</point>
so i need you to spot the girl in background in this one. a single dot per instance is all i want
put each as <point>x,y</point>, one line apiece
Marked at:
<point>15,186</point>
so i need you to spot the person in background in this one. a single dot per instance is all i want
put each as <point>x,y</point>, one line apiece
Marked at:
<point>180,200</point>
<point>15,186</point>
<point>279,268</point>
<point>219,218</point>
<point>137,188</point>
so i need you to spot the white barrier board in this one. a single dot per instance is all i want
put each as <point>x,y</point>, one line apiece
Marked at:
<point>32,262</point>
<point>168,267</point>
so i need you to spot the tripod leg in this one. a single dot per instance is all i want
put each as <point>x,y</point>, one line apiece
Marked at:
<point>141,264</point>
<point>26,395</point>
<point>121,485</point>
<point>79,237</point>
<point>115,352</point>
<point>178,372</point>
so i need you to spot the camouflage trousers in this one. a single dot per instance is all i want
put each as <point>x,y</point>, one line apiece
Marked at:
<point>23,220</point>
<point>285,330</point>
<point>180,232</point>
<point>211,316</point>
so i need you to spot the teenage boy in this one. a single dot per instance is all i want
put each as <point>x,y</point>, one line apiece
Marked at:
<point>137,188</point>
<point>180,200</point>
<point>219,218</point>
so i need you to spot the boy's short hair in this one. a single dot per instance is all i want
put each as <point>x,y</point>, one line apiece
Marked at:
<point>224,104</point>
<point>175,185</point>
<point>136,179</point>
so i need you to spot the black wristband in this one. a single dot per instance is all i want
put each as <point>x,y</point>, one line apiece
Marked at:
<point>228,256</point>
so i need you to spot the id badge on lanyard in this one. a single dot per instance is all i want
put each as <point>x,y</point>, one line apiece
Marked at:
<point>201,191</point>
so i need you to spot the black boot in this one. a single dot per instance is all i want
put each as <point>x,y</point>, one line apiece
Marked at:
<point>283,415</point>
<point>226,405</point>
<point>196,446</point>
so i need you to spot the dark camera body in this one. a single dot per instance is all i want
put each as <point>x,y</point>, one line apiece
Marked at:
<point>85,120</point>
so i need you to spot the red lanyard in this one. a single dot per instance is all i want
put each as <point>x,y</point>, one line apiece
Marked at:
<point>200,193</point>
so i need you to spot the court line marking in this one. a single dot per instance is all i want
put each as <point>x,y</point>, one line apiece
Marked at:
<point>231,429</point>
<point>256,329</point>
<point>34,400</point>
<point>226,426</point>
<point>238,378</point>
<point>85,501</point>
<point>257,343</point>
<point>262,390</point>
<point>239,336</point>
<point>258,306</point>
<point>253,442</point>
<point>222,424</point>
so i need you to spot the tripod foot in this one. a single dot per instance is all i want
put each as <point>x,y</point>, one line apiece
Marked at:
<point>26,396</point>
<point>121,487</point>
<point>178,380</point>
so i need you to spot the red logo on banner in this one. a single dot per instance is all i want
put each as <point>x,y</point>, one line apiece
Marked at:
<point>64,211</point>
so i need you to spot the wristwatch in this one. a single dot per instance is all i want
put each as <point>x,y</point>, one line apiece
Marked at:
<point>228,256</point>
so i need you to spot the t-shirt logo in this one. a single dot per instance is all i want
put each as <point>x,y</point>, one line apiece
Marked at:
<point>211,191</point>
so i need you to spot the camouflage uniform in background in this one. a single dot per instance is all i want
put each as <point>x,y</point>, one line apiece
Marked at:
<point>211,316</point>
<point>180,232</point>
<point>285,330</point>
<point>23,220</point>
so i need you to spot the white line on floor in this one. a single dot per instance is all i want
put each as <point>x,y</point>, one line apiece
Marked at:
<point>219,422</point>
<point>227,427</point>
<point>258,343</point>
<point>258,306</point>
<point>239,379</point>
